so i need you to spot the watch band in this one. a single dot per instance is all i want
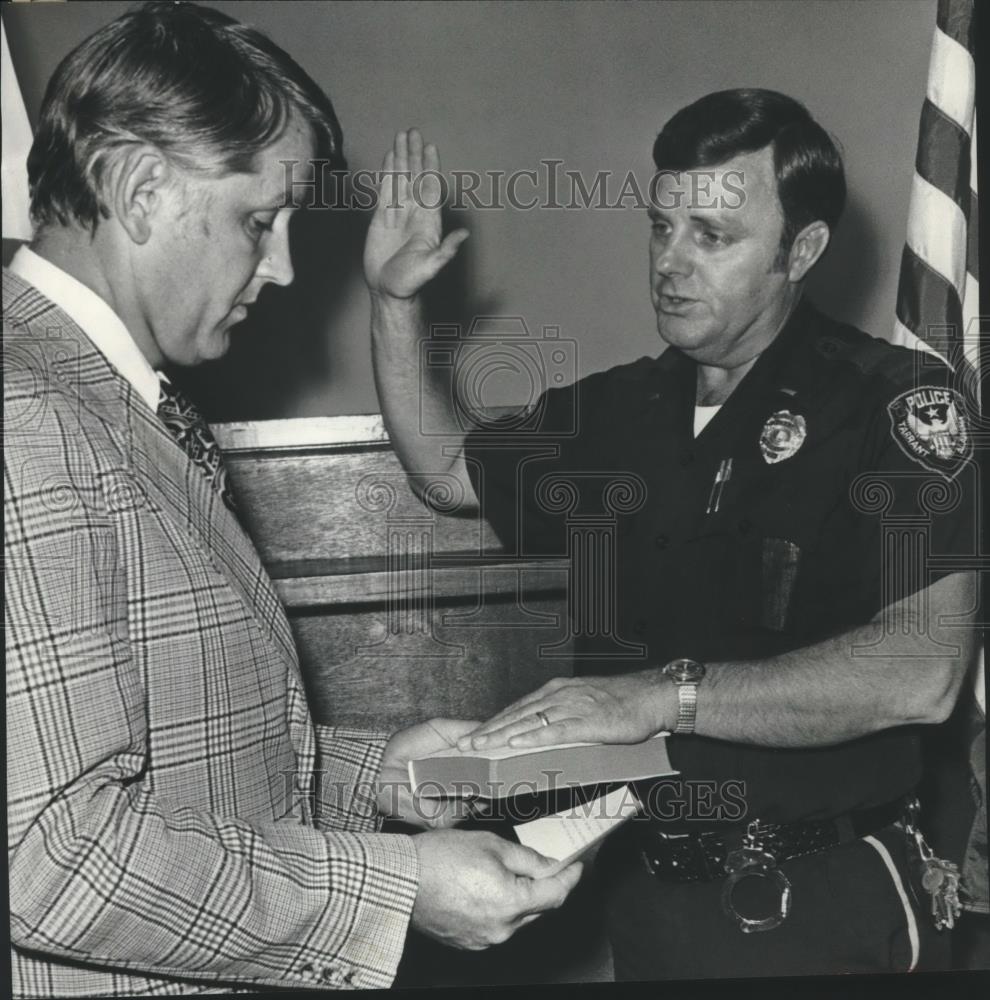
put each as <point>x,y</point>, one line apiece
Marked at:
<point>687,708</point>
<point>686,674</point>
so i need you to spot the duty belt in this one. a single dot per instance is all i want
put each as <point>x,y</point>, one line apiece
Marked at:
<point>702,856</point>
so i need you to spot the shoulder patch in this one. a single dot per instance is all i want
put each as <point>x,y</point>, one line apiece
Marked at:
<point>930,426</point>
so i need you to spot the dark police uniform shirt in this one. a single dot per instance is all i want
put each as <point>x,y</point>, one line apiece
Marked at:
<point>864,463</point>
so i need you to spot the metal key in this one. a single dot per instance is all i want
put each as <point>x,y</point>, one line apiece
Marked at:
<point>941,879</point>
<point>932,878</point>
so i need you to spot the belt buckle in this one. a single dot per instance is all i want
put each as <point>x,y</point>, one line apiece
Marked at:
<point>681,857</point>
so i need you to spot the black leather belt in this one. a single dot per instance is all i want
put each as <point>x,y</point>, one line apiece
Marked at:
<point>701,856</point>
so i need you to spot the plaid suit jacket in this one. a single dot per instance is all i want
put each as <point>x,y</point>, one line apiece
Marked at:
<point>176,824</point>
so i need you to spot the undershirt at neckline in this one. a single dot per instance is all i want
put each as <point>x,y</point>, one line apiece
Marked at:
<point>702,416</point>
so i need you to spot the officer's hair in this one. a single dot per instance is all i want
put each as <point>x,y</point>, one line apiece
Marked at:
<point>811,184</point>
<point>209,92</point>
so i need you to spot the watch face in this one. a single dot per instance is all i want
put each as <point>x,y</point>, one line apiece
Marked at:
<point>684,671</point>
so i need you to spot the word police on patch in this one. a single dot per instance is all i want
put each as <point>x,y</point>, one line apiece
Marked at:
<point>930,426</point>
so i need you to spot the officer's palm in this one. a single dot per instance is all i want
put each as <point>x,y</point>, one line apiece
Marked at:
<point>405,249</point>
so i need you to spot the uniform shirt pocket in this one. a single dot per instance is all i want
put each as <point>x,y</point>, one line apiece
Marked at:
<point>773,549</point>
<point>779,570</point>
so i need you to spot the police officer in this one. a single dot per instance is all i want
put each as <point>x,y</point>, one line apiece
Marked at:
<point>784,578</point>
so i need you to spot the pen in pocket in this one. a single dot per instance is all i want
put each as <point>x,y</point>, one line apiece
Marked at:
<point>721,478</point>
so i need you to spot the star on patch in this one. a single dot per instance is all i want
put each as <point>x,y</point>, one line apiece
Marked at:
<point>930,426</point>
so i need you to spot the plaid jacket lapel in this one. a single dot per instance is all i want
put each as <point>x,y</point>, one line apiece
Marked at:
<point>163,471</point>
<point>177,485</point>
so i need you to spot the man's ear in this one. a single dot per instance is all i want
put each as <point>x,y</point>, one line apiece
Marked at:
<point>807,248</point>
<point>134,188</point>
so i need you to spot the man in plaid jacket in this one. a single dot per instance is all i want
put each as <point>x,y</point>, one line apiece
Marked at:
<point>176,822</point>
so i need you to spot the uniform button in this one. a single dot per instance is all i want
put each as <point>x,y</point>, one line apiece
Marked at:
<point>686,459</point>
<point>307,968</point>
<point>661,541</point>
<point>745,526</point>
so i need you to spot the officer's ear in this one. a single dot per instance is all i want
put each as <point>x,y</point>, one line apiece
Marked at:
<point>132,189</point>
<point>806,250</point>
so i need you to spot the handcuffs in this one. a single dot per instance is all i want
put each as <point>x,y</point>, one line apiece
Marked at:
<point>751,860</point>
<point>939,878</point>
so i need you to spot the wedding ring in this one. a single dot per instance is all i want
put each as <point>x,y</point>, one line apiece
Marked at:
<point>542,716</point>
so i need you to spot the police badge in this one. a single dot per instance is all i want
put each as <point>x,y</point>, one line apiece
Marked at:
<point>930,426</point>
<point>782,435</point>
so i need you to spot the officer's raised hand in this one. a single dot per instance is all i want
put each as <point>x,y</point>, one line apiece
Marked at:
<point>405,247</point>
<point>623,709</point>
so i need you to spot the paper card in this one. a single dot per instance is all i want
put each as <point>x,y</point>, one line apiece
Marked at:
<point>566,835</point>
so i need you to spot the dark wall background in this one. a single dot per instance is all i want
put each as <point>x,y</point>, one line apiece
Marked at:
<point>502,86</point>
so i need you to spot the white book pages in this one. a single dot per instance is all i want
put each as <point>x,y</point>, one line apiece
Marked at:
<point>566,835</point>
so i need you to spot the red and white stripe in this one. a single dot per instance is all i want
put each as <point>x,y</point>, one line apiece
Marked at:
<point>938,293</point>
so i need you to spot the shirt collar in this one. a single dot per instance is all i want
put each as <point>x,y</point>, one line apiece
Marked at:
<point>94,317</point>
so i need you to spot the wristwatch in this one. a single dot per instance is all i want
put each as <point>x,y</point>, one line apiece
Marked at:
<point>687,675</point>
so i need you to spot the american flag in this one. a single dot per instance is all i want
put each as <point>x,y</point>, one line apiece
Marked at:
<point>938,299</point>
<point>938,292</point>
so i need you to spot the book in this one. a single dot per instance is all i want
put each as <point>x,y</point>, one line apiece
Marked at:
<point>508,771</point>
<point>564,836</point>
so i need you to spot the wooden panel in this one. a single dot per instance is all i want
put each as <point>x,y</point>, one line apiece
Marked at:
<point>338,504</point>
<point>314,583</point>
<point>449,625</point>
<point>323,433</point>
<point>477,659</point>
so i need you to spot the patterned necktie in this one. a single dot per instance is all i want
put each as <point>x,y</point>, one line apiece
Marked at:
<point>193,434</point>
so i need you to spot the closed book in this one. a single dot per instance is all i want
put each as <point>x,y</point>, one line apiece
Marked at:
<point>508,771</point>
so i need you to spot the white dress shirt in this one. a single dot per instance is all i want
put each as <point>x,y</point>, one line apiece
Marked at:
<point>96,319</point>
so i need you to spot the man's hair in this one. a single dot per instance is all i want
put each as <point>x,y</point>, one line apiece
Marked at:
<point>209,92</point>
<point>811,184</point>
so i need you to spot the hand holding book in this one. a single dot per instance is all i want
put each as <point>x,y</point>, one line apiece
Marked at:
<point>394,794</point>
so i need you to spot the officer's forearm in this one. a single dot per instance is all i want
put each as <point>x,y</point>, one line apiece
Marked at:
<point>415,398</point>
<point>904,667</point>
